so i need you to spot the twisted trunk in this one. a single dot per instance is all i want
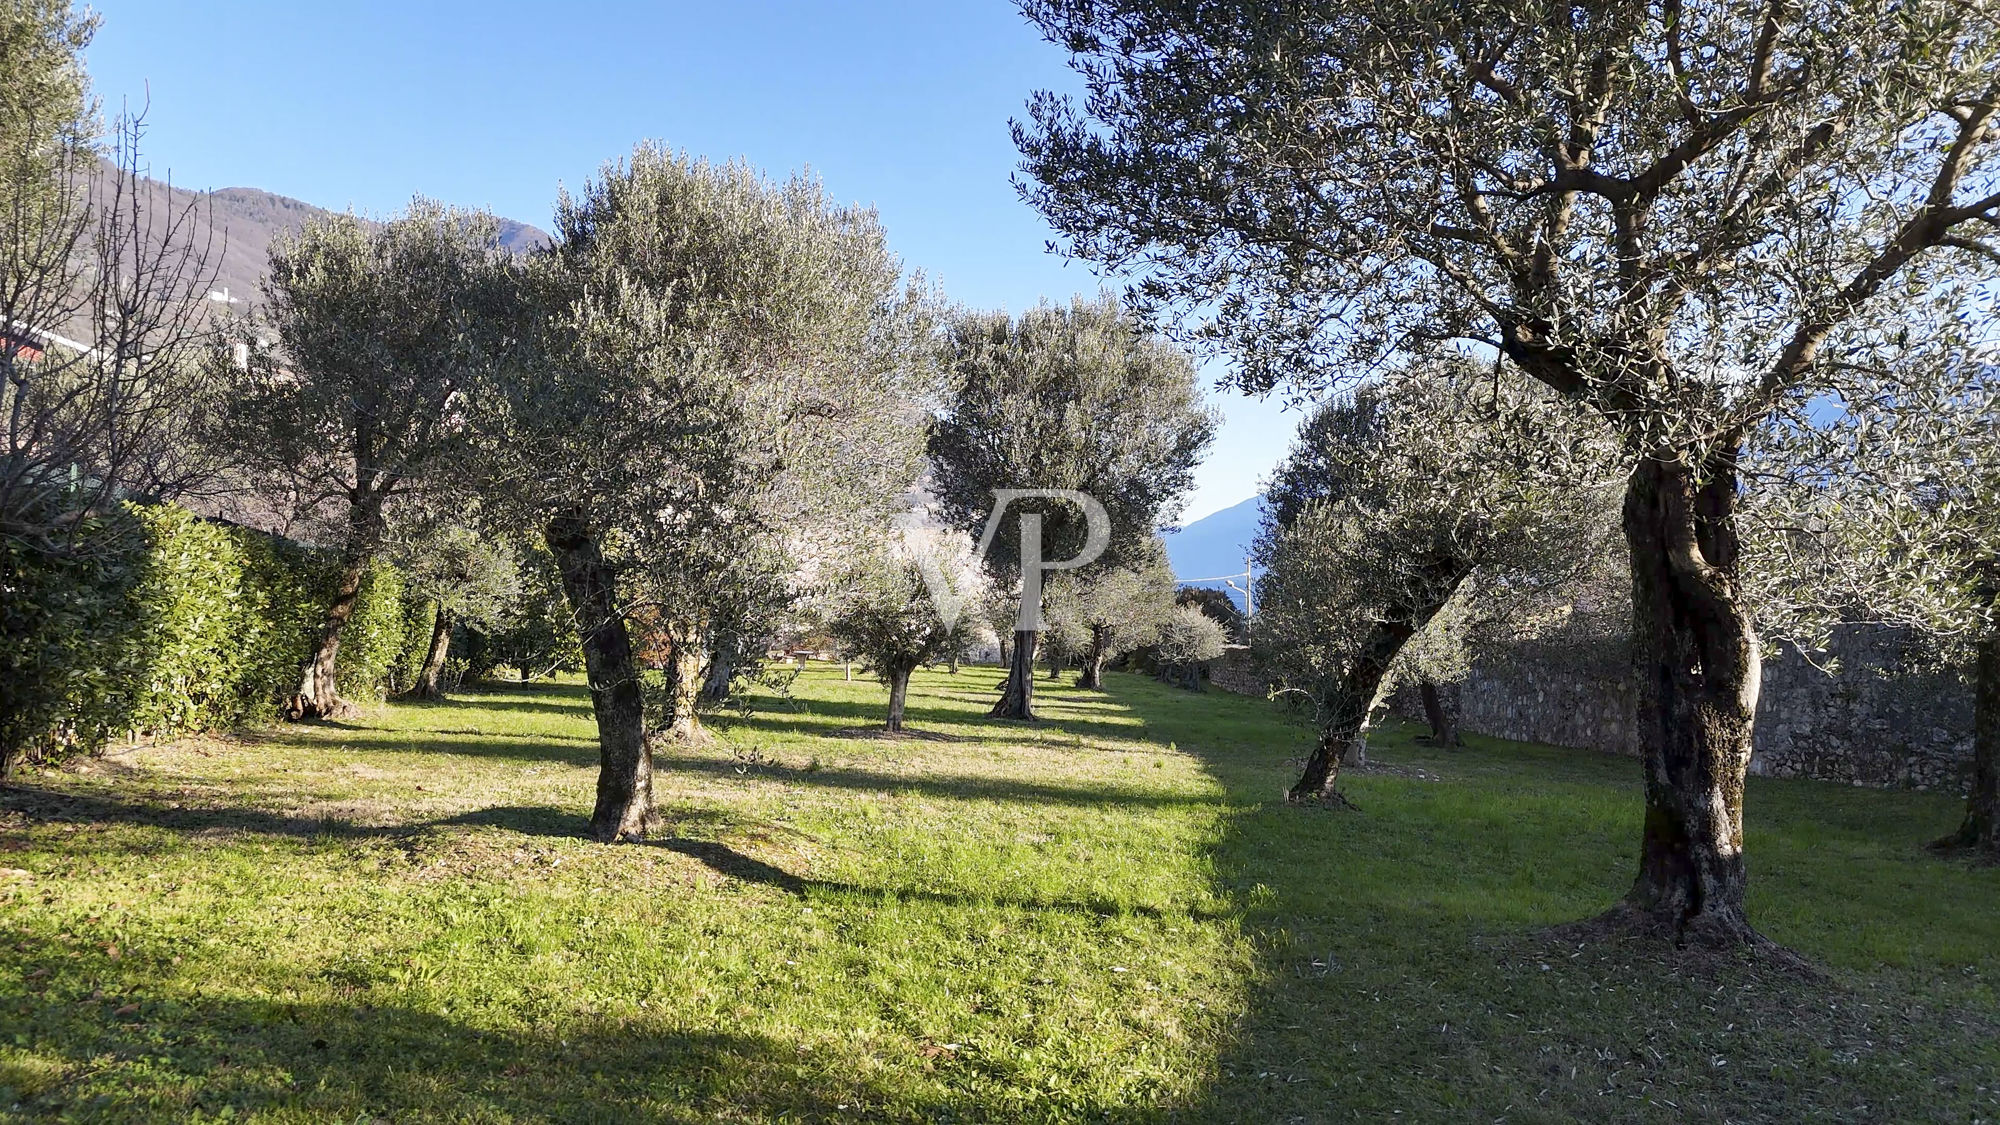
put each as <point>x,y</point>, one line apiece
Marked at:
<point>1443,731</point>
<point>1017,695</point>
<point>624,808</point>
<point>1981,830</point>
<point>1697,674</point>
<point>427,686</point>
<point>318,696</point>
<point>1348,708</point>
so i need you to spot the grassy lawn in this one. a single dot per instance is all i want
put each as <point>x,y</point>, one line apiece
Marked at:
<point>1107,916</point>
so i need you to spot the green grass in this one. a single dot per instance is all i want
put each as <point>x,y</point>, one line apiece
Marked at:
<point>1106,916</point>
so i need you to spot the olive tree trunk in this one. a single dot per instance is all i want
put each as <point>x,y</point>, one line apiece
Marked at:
<point>1981,830</point>
<point>1443,731</point>
<point>430,676</point>
<point>684,684</point>
<point>1347,710</point>
<point>1092,675</point>
<point>624,808</point>
<point>318,696</point>
<point>899,692</point>
<point>1017,695</point>
<point>721,671</point>
<point>1697,676</point>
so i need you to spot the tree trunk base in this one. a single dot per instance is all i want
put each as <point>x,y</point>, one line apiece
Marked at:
<point>1706,934</point>
<point>1967,843</point>
<point>1328,798</point>
<point>627,825</point>
<point>301,708</point>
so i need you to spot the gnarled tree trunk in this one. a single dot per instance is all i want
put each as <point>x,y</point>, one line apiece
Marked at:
<point>1443,731</point>
<point>1697,676</point>
<point>899,692</point>
<point>430,676</point>
<point>1092,675</point>
<point>625,757</point>
<point>1981,830</point>
<point>1347,710</point>
<point>318,696</point>
<point>1017,695</point>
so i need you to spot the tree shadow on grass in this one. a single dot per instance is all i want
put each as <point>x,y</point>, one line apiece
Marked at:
<point>961,788</point>
<point>815,720</point>
<point>38,806</point>
<point>1402,967</point>
<point>197,1056</point>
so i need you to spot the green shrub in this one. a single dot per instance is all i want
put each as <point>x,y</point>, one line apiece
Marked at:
<point>169,624</point>
<point>62,622</point>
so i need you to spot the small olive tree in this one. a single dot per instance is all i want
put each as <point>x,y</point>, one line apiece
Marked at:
<point>886,615</point>
<point>1186,639</point>
<point>1107,612</point>
<point>465,579</point>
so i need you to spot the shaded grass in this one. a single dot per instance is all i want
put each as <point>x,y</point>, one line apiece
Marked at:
<point>1109,915</point>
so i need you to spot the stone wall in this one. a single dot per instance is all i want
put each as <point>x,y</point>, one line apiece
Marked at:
<point>1879,720</point>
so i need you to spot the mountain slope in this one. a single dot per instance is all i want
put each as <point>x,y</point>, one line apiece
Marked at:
<point>245,220</point>
<point>1215,544</point>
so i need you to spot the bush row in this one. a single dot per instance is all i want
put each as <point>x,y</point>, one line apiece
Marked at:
<point>172,624</point>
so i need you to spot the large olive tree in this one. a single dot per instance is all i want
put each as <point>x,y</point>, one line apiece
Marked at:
<point>1075,397</point>
<point>1679,213</point>
<point>715,352</point>
<point>380,331</point>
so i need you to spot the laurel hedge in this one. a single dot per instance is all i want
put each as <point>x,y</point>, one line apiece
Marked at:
<point>193,625</point>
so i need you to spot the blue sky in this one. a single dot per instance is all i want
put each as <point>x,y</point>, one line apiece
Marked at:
<point>902,105</point>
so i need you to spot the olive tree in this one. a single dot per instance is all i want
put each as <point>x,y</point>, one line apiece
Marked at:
<point>700,333</point>
<point>1882,504</point>
<point>884,613</point>
<point>465,579</point>
<point>1390,502</point>
<point>1186,639</point>
<point>1678,214</point>
<point>1075,397</point>
<point>380,331</point>
<point>1106,612</point>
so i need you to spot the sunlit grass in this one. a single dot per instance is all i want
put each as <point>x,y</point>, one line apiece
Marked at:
<point>1107,915</point>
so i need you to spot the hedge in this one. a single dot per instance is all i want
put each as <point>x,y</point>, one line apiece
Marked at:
<point>193,626</point>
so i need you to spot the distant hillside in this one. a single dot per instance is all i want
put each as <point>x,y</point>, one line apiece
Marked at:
<point>245,220</point>
<point>1215,544</point>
